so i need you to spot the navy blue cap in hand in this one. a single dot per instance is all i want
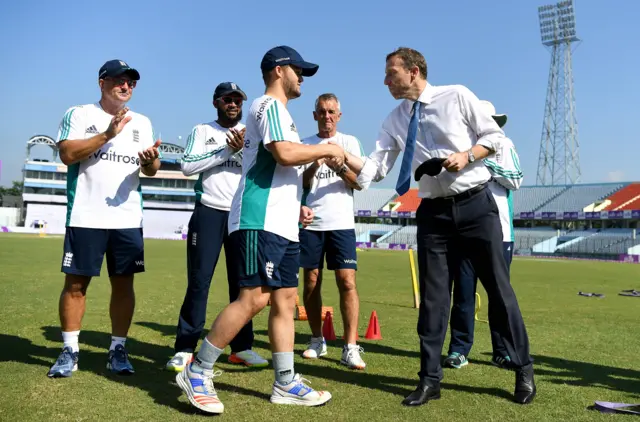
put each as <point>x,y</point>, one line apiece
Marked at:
<point>284,55</point>
<point>114,68</point>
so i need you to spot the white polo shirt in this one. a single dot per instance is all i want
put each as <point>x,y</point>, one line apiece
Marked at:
<point>329,197</point>
<point>269,195</point>
<point>103,191</point>
<point>220,168</point>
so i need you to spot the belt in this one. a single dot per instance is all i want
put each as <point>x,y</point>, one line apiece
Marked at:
<point>461,196</point>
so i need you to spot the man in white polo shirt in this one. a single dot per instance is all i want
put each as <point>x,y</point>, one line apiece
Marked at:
<point>263,226</point>
<point>214,151</point>
<point>329,193</point>
<point>506,176</point>
<point>105,146</point>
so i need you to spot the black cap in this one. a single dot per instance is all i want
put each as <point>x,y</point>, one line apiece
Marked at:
<point>226,88</point>
<point>114,68</point>
<point>284,55</point>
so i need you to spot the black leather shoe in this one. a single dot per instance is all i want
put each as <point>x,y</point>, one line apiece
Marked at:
<point>421,395</point>
<point>525,386</point>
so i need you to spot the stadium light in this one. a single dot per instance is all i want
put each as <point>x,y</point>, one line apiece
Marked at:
<point>557,23</point>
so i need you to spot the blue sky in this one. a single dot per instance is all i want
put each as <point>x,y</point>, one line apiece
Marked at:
<point>51,52</point>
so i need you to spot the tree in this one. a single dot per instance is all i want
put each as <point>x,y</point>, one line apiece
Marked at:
<point>15,190</point>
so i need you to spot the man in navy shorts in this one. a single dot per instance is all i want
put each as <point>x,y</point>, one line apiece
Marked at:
<point>329,194</point>
<point>263,227</point>
<point>105,147</point>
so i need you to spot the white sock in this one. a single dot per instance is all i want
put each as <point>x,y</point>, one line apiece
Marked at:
<point>115,341</point>
<point>70,339</point>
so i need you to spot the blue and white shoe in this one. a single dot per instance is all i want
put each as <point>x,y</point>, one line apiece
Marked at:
<point>197,383</point>
<point>456,360</point>
<point>118,361</point>
<point>298,393</point>
<point>66,364</point>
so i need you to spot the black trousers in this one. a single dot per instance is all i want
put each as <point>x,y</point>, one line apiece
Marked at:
<point>206,236</point>
<point>466,226</point>
<point>462,319</point>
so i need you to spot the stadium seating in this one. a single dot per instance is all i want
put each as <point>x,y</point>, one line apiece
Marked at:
<point>406,235</point>
<point>531,198</point>
<point>577,197</point>
<point>528,238</point>
<point>626,198</point>
<point>370,232</point>
<point>606,241</point>
<point>373,199</point>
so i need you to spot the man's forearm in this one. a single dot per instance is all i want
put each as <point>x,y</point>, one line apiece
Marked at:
<point>151,169</point>
<point>350,178</point>
<point>481,152</point>
<point>307,176</point>
<point>291,154</point>
<point>354,163</point>
<point>75,150</point>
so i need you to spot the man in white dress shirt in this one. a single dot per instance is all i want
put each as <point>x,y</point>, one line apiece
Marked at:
<point>457,218</point>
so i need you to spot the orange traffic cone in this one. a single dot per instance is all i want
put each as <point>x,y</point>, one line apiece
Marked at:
<point>373,331</point>
<point>327,328</point>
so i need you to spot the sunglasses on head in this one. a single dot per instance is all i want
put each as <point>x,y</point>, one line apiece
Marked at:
<point>122,81</point>
<point>229,100</point>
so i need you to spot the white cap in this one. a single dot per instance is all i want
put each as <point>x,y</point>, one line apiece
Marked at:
<point>501,119</point>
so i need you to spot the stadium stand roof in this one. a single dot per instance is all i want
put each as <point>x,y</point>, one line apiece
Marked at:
<point>409,201</point>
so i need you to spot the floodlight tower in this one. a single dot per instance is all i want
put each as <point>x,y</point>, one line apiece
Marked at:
<point>559,160</point>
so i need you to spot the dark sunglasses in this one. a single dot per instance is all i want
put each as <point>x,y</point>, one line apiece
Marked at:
<point>122,81</point>
<point>229,100</point>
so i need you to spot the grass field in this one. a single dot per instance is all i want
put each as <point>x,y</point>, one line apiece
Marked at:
<point>585,349</point>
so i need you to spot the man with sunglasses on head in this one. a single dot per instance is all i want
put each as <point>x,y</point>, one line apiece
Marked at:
<point>214,151</point>
<point>105,147</point>
<point>263,225</point>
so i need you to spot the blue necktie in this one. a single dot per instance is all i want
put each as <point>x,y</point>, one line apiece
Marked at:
<point>404,179</point>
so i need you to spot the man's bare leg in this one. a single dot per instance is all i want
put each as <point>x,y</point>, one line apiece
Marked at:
<point>312,298</point>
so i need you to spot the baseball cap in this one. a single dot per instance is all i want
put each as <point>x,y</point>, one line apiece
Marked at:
<point>501,119</point>
<point>284,55</point>
<point>226,88</point>
<point>114,68</point>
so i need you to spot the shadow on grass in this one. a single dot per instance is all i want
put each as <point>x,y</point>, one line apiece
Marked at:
<point>147,359</point>
<point>584,374</point>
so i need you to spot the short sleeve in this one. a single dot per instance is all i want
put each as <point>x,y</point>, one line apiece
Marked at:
<point>277,125</point>
<point>71,126</point>
<point>354,147</point>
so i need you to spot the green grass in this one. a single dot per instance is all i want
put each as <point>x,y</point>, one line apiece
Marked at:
<point>585,349</point>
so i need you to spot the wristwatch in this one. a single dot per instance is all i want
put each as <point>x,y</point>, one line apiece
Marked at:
<point>472,157</point>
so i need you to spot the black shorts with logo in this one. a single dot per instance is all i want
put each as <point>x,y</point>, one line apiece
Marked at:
<point>262,258</point>
<point>85,248</point>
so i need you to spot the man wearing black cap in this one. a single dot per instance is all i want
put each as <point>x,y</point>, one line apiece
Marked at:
<point>214,152</point>
<point>105,147</point>
<point>263,226</point>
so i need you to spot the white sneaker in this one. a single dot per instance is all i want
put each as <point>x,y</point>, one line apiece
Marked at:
<point>315,348</point>
<point>298,393</point>
<point>179,361</point>
<point>248,358</point>
<point>351,357</point>
<point>199,388</point>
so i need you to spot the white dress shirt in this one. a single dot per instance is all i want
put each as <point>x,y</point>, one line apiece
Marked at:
<point>451,120</point>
